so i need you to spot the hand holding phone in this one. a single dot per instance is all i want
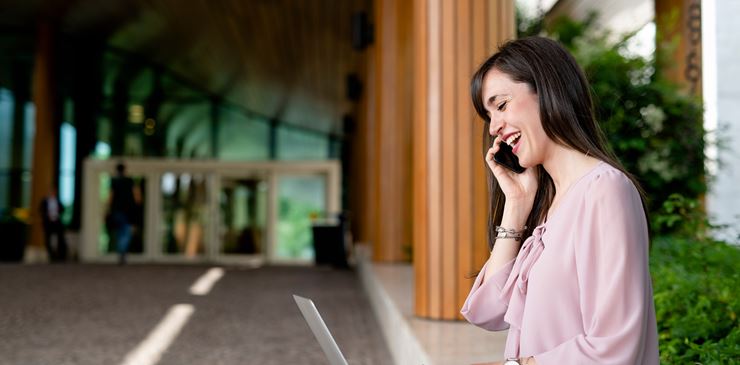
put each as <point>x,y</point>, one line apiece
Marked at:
<point>506,158</point>
<point>519,185</point>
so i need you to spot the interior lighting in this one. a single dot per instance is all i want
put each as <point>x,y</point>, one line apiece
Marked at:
<point>136,114</point>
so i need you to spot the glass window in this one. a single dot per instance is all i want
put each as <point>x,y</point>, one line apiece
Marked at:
<point>29,123</point>
<point>241,138</point>
<point>188,130</point>
<point>6,135</point>
<point>68,137</point>
<point>175,90</point>
<point>140,87</point>
<point>295,144</point>
<point>6,127</point>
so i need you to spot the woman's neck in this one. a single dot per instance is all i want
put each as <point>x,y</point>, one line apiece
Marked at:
<point>566,165</point>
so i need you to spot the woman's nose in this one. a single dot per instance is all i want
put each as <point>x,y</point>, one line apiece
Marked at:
<point>495,127</point>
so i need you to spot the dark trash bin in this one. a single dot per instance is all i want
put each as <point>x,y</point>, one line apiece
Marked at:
<point>13,242</point>
<point>329,243</point>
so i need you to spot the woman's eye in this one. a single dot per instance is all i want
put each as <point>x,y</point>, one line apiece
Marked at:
<point>502,106</point>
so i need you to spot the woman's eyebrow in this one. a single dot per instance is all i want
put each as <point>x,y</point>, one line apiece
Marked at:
<point>492,99</point>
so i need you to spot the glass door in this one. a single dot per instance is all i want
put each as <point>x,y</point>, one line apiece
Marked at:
<point>127,209</point>
<point>242,213</point>
<point>243,216</point>
<point>301,200</point>
<point>184,214</point>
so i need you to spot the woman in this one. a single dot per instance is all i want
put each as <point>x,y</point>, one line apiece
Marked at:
<point>577,290</point>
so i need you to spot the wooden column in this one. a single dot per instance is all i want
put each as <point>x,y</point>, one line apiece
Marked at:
<point>390,158</point>
<point>451,38</point>
<point>44,141</point>
<point>678,35</point>
<point>678,47</point>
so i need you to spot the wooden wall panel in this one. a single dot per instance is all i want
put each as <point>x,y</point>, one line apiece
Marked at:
<point>481,48</point>
<point>392,156</point>
<point>362,169</point>
<point>402,157</point>
<point>385,50</point>
<point>420,167</point>
<point>465,154</point>
<point>433,103</point>
<point>449,158</point>
<point>425,52</point>
<point>452,38</point>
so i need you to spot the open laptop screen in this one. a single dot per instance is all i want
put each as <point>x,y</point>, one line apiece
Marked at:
<point>320,331</point>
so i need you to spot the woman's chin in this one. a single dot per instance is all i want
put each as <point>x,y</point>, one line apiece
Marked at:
<point>524,163</point>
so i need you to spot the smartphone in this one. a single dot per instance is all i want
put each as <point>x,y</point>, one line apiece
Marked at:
<point>506,158</point>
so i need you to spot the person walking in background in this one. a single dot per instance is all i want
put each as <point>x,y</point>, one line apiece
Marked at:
<point>123,200</point>
<point>51,213</point>
<point>568,271</point>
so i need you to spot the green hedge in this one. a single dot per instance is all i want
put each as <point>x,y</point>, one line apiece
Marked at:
<point>695,285</point>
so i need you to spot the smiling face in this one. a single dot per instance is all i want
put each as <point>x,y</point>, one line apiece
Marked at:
<point>515,115</point>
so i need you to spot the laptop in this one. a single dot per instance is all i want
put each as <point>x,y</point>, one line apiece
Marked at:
<point>320,331</point>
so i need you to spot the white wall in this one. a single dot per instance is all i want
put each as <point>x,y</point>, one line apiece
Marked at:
<point>722,99</point>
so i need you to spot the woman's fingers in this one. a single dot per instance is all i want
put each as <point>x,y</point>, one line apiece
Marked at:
<point>497,169</point>
<point>495,146</point>
<point>512,184</point>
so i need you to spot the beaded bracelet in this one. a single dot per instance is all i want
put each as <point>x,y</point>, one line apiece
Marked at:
<point>502,232</point>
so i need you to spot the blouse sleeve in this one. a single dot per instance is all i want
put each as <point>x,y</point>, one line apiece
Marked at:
<point>484,306</point>
<point>613,278</point>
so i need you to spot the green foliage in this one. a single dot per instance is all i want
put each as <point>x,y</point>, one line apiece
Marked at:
<point>294,228</point>
<point>695,292</point>
<point>695,282</point>
<point>682,216</point>
<point>655,129</point>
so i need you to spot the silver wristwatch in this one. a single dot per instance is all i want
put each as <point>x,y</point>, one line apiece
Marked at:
<point>512,361</point>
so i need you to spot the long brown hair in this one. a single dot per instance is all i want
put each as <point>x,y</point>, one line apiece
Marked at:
<point>566,114</point>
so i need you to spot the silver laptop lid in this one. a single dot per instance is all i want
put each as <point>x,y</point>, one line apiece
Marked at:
<point>320,331</point>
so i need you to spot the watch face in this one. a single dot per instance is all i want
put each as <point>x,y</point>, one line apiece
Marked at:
<point>512,362</point>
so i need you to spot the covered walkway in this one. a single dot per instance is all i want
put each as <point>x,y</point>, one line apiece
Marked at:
<point>100,314</point>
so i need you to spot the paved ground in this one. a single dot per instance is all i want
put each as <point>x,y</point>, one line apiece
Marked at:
<point>96,314</point>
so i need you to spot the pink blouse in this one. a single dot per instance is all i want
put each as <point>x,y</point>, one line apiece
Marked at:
<point>579,291</point>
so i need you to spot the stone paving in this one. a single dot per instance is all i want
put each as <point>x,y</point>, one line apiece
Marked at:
<point>96,314</point>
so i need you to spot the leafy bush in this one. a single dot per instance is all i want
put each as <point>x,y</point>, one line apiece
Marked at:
<point>695,292</point>
<point>695,280</point>
<point>682,216</point>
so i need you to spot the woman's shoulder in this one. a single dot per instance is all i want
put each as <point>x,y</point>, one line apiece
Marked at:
<point>607,180</point>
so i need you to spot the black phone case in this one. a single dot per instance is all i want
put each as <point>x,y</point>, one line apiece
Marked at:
<point>506,158</point>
